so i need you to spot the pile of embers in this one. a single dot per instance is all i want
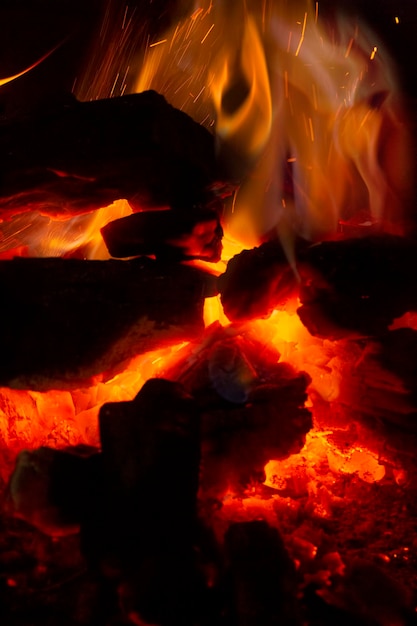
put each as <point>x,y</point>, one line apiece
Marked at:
<point>142,503</point>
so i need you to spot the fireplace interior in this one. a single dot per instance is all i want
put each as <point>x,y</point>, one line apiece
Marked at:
<point>209,361</point>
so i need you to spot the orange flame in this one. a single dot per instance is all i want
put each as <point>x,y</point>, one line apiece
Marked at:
<point>316,102</point>
<point>9,79</point>
<point>315,121</point>
<point>247,127</point>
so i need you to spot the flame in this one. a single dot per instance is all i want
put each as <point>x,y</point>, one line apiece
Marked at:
<point>43,236</point>
<point>9,79</point>
<point>315,101</point>
<point>248,125</point>
<point>313,111</point>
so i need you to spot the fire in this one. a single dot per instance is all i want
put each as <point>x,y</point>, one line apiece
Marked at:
<point>43,236</point>
<point>9,79</point>
<point>247,125</point>
<point>312,114</point>
<point>310,111</point>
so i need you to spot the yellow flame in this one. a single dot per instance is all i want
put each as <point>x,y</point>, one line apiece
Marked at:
<point>248,125</point>
<point>43,236</point>
<point>280,82</point>
<point>9,79</point>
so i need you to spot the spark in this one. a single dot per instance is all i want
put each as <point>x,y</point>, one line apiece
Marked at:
<point>125,76</point>
<point>174,36</point>
<point>234,200</point>
<point>349,48</point>
<point>310,124</point>
<point>124,17</point>
<point>365,119</point>
<point>114,84</point>
<point>315,100</point>
<point>303,30</point>
<point>158,43</point>
<point>396,19</point>
<point>207,33</point>
<point>183,85</point>
<point>373,53</point>
<point>199,93</point>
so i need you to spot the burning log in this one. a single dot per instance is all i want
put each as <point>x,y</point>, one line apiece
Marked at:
<point>381,387</point>
<point>68,320</point>
<point>166,234</point>
<point>346,287</point>
<point>252,407</point>
<point>71,157</point>
<point>357,286</point>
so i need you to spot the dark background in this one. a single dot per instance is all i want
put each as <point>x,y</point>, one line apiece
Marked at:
<point>30,28</point>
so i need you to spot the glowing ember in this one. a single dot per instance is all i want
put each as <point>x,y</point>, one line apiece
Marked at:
<point>312,100</point>
<point>309,113</point>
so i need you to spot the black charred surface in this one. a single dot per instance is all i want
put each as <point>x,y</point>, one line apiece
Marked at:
<point>145,528</point>
<point>166,234</point>
<point>352,287</point>
<point>262,577</point>
<point>256,281</point>
<point>50,488</point>
<point>380,388</point>
<point>357,286</point>
<point>68,157</point>
<point>67,320</point>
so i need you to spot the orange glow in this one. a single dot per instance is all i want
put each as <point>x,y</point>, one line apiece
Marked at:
<point>314,112</point>
<point>43,236</point>
<point>247,127</point>
<point>298,93</point>
<point>9,79</point>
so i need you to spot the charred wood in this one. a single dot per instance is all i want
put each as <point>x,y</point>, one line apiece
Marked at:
<point>255,282</point>
<point>380,388</point>
<point>252,407</point>
<point>357,286</point>
<point>145,528</point>
<point>352,287</point>
<point>66,321</point>
<point>69,157</point>
<point>50,488</point>
<point>263,582</point>
<point>168,234</point>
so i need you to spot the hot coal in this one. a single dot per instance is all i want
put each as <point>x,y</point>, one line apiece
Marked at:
<point>66,321</point>
<point>252,407</point>
<point>66,157</point>
<point>166,234</point>
<point>352,287</point>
